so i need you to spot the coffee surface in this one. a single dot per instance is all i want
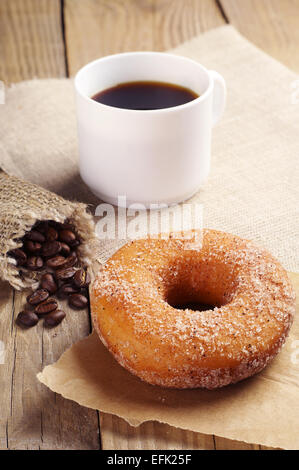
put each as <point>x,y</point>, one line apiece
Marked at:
<point>145,95</point>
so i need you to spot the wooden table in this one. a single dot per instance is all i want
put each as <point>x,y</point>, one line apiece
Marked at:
<point>54,38</point>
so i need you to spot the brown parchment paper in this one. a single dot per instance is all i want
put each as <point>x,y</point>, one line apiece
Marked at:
<point>262,410</point>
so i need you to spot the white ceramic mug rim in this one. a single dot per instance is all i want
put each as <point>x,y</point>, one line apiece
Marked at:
<point>194,102</point>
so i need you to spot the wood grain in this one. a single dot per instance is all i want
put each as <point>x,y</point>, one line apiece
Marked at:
<point>270,24</point>
<point>117,434</point>
<point>31,40</point>
<point>7,359</point>
<point>32,45</point>
<point>95,28</point>
<point>33,417</point>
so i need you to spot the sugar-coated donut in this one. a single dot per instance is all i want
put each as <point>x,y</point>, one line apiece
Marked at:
<point>135,300</point>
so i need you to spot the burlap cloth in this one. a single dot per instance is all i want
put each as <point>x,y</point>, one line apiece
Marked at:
<point>21,205</point>
<point>252,190</point>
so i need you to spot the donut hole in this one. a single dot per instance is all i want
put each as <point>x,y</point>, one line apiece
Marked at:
<point>199,286</point>
<point>181,299</point>
<point>195,306</point>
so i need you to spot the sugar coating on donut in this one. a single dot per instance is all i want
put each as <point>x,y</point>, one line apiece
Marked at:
<point>136,296</point>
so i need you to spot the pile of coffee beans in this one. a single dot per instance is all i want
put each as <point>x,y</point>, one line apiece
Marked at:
<point>50,248</point>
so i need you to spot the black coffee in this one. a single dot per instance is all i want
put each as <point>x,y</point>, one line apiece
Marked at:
<point>145,95</point>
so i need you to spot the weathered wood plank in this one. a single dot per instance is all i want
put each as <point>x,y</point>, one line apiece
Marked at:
<point>117,434</point>
<point>33,417</point>
<point>7,359</point>
<point>95,28</point>
<point>31,43</point>
<point>270,24</point>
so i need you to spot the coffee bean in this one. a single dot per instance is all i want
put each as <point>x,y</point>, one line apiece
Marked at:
<point>28,307</point>
<point>65,273</point>
<point>81,278</point>
<point>33,247</point>
<point>35,236</point>
<point>34,263</point>
<point>51,248</point>
<point>19,255</point>
<point>51,234</point>
<point>65,249</point>
<point>57,225</point>
<point>67,289</point>
<point>38,296</point>
<point>78,301</point>
<point>52,244</point>
<point>85,292</point>
<point>67,236</point>
<point>74,244</point>
<point>48,282</point>
<point>27,318</point>
<point>70,260</point>
<point>56,262</point>
<point>46,306</point>
<point>54,318</point>
<point>66,225</point>
<point>42,226</point>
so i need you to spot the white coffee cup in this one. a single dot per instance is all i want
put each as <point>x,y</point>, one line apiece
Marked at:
<point>148,156</point>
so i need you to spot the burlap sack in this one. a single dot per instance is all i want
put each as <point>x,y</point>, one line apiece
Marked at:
<point>21,205</point>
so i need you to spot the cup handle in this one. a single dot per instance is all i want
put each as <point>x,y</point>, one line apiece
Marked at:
<point>219,96</point>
